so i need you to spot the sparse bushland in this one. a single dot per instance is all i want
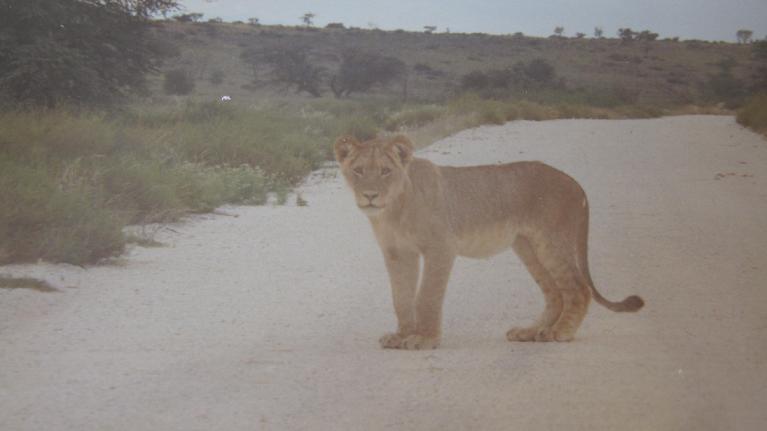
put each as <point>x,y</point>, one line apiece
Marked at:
<point>70,181</point>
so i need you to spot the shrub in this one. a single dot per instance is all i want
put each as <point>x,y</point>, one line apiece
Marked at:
<point>216,77</point>
<point>360,71</point>
<point>178,82</point>
<point>540,71</point>
<point>725,88</point>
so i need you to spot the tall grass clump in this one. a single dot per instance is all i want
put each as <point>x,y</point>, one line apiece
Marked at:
<point>70,182</point>
<point>42,220</point>
<point>754,114</point>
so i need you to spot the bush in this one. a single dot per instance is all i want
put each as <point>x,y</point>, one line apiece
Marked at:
<point>216,77</point>
<point>360,71</point>
<point>178,82</point>
<point>725,88</point>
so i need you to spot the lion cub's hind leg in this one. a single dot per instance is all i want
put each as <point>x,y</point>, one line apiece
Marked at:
<point>575,296</point>
<point>575,305</point>
<point>541,330</point>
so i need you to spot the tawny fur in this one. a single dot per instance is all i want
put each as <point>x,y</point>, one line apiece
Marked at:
<point>421,210</point>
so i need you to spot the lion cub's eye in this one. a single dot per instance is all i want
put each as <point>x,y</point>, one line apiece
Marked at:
<point>357,171</point>
<point>385,171</point>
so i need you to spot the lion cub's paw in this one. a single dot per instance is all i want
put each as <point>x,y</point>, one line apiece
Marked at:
<point>541,334</point>
<point>409,342</point>
<point>420,342</point>
<point>391,341</point>
<point>523,334</point>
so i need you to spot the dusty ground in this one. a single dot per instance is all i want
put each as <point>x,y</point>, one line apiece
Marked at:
<point>270,320</point>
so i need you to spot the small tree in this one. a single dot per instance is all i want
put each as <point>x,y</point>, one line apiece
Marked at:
<point>580,35</point>
<point>360,71</point>
<point>626,34</point>
<point>558,31</point>
<point>308,19</point>
<point>598,32</point>
<point>178,82</point>
<point>291,67</point>
<point>540,71</point>
<point>744,36</point>
<point>216,77</point>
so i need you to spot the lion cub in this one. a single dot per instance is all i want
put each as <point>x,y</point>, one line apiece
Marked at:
<point>418,209</point>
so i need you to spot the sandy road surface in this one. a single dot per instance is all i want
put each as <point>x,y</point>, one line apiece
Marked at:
<point>270,320</point>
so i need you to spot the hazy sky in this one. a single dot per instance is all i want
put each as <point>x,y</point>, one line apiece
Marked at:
<point>688,19</point>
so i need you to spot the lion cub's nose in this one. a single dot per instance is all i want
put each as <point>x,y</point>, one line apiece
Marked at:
<point>370,195</point>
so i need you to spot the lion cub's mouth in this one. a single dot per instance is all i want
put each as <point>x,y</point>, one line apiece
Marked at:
<point>371,209</point>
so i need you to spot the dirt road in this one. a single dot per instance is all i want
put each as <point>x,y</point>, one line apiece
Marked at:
<point>270,320</point>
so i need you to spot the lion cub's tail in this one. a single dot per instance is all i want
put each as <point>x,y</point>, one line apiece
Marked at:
<point>632,303</point>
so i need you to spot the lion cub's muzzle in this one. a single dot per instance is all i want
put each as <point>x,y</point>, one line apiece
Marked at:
<point>370,202</point>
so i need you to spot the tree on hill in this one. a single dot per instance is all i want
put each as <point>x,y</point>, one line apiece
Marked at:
<point>626,34</point>
<point>78,52</point>
<point>598,32</point>
<point>744,36</point>
<point>646,35</point>
<point>559,30</point>
<point>189,17</point>
<point>308,19</point>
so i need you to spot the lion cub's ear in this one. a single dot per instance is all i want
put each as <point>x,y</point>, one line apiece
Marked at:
<point>344,146</point>
<point>403,148</point>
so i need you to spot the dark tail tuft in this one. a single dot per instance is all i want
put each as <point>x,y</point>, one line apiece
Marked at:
<point>632,303</point>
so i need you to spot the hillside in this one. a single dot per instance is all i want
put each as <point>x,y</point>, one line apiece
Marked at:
<point>661,72</point>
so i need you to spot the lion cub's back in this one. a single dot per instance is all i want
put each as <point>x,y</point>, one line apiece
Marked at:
<point>495,201</point>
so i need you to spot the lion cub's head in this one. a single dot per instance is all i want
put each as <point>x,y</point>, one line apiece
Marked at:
<point>376,170</point>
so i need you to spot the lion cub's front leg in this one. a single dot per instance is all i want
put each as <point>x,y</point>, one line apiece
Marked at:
<point>403,268</point>
<point>428,304</point>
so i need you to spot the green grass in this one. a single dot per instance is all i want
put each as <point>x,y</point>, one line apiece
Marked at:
<point>70,182</point>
